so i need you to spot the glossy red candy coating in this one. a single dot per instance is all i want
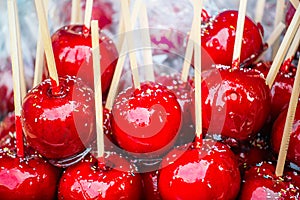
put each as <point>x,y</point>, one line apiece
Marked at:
<point>59,125</point>
<point>294,145</point>
<point>146,120</point>
<point>260,182</point>
<point>235,104</point>
<point>206,172</point>
<point>73,55</point>
<point>182,91</point>
<point>27,178</point>
<point>6,92</point>
<point>150,185</point>
<point>85,180</point>
<point>219,36</point>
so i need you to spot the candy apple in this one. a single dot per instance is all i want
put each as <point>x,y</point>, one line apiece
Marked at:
<point>219,36</point>
<point>59,125</point>
<point>260,182</point>
<point>203,172</point>
<point>146,120</point>
<point>109,178</point>
<point>73,55</point>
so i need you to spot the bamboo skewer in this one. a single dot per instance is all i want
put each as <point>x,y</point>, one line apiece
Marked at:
<point>76,12</point>
<point>280,8</point>
<point>87,16</point>
<point>147,51</point>
<point>272,38</point>
<point>291,31</point>
<point>130,44</point>
<point>288,124</point>
<point>15,59</point>
<point>294,46</point>
<point>239,34</point>
<point>47,44</point>
<point>259,10</point>
<point>97,87</point>
<point>197,56</point>
<point>39,58</point>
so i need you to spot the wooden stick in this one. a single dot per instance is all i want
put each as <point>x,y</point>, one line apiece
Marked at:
<point>239,34</point>
<point>119,67</point>
<point>76,12</point>
<point>291,31</point>
<point>272,38</point>
<point>97,86</point>
<point>130,44</point>
<point>147,50</point>
<point>88,16</point>
<point>20,55</point>
<point>47,44</point>
<point>197,56</point>
<point>189,52</point>
<point>280,8</point>
<point>259,10</point>
<point>116,79</point>
<point>295,3</point>
<point>288,124</point>
<point>294,46</point>
<point>39,58</point>
<point>14,46</point>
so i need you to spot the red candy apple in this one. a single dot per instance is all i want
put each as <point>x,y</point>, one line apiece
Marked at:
<point>219,36</point>
<point>93,179</point>
<point>150,185</point>
<point>73,55</point>
<point>146,120</point>
<point>294,145</point>
<point>260,182</point>
<point>206,172</point>
<point>59,125</point>
<point>235,104</point>
<point>27,178</point>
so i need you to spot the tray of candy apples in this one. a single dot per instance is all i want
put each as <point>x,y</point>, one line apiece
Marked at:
<point>109,106</point>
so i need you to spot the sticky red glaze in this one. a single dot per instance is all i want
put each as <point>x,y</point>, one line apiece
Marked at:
<point>207,172</point>
<point>6,92</point>
<point>219,36</point>
<point>150,185</point>
<point>235,104</point>
<point>27,178</point>
<point>147,119</point>
<point>85,180</point>
<point>261,183</point>
<point>73,55</point>
<point>58,126</point>
<point>282,88</point>
<point>294,145</point>
<point>182,91</point>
